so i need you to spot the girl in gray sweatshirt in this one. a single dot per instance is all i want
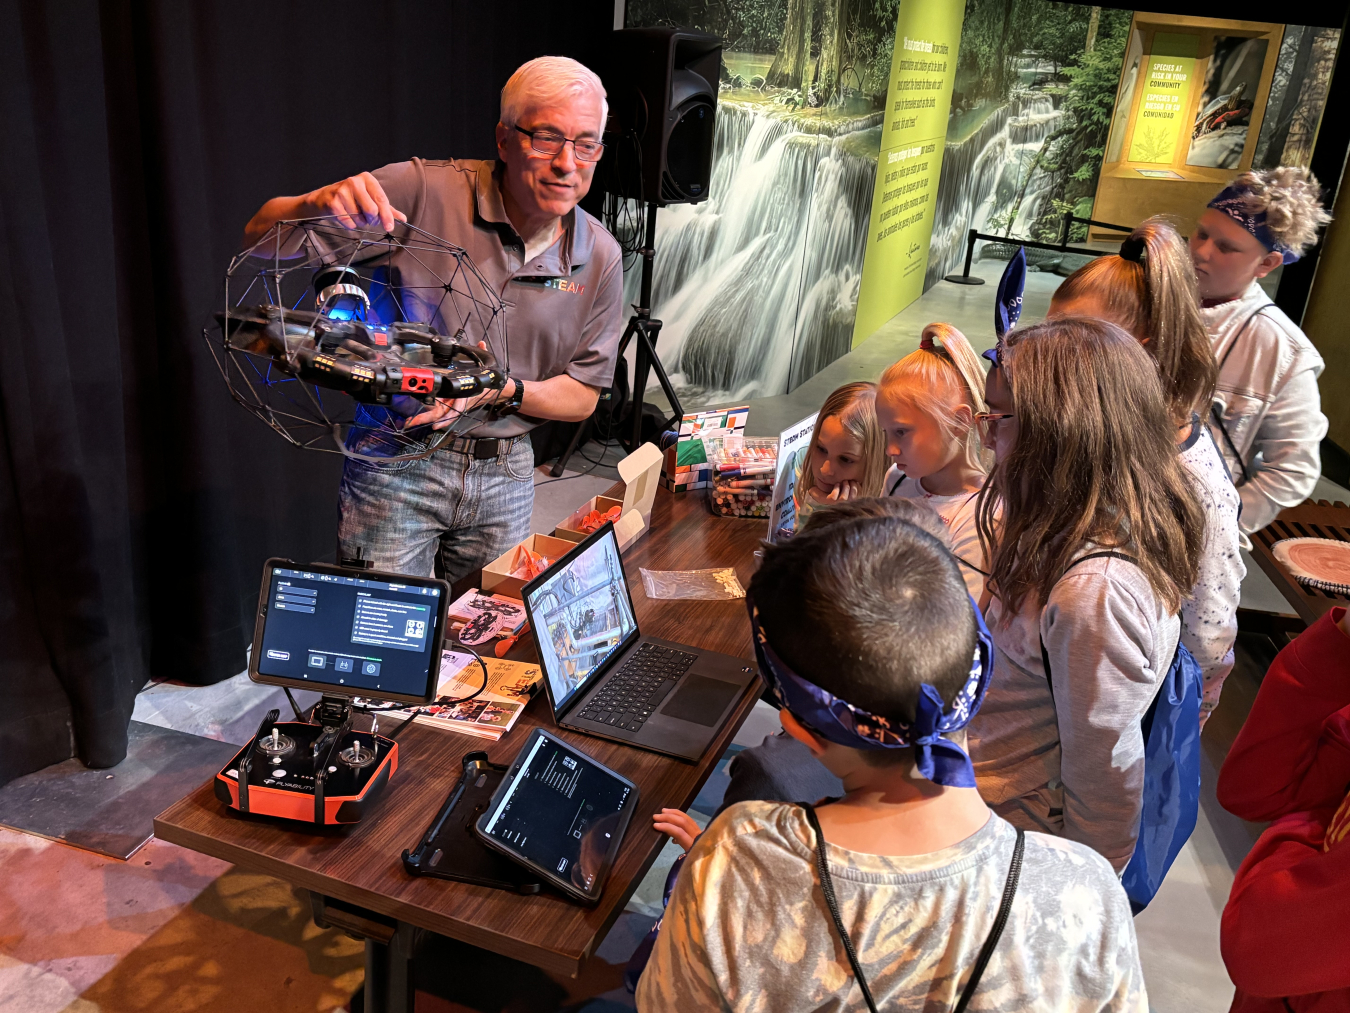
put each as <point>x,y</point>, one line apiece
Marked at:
<point>1096,547</point>
<point>1150,290</point>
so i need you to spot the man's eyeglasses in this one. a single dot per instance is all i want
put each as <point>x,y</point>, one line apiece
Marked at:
<point>546,142</point>
<point>988,422</point>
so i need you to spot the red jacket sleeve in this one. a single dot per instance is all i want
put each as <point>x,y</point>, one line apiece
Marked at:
<point>1293,753</point>
<point>1284,930</point>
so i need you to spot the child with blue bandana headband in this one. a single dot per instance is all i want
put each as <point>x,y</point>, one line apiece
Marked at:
<point>906,893</point>
<point>1267,417</point>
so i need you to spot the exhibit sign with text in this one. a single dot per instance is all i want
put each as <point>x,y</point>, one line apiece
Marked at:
<point>909,165</point>
<point>793,444</point>
<point>1161,116</point>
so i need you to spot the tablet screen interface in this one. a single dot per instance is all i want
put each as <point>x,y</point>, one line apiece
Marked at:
<point>351,634</point>
<point>562,813</point>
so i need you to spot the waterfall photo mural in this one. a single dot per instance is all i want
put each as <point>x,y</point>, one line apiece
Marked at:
<point>757,287</point>
<point>1031,110</point>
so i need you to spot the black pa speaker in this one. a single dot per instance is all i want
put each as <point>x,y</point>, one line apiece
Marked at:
<point>662,86</point>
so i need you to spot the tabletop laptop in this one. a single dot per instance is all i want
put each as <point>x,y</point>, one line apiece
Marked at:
<point>604,678</point>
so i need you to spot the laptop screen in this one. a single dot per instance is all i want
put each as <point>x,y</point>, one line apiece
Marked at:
<point>581,615</point>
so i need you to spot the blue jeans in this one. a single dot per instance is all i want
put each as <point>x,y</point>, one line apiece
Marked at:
<point>447,512</point>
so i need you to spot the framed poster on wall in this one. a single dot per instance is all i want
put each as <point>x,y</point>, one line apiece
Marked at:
<point>1189,110</point>
<point>1159,118</point>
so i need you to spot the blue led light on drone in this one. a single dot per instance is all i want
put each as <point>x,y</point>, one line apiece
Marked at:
<point>339,294</point>
<point>343,311</point>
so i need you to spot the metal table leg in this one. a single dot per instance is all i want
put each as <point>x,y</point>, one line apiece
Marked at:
<point>389,972</point>
<point>390,945</point>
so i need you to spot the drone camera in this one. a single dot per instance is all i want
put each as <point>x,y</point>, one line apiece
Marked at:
<point>418,381</point>
<point>339,294</point>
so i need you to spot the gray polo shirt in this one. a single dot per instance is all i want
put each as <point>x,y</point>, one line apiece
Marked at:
<point>563,309</point>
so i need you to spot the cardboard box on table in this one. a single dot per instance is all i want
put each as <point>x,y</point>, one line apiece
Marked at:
<point>497,578</point>
<point>640,472</point>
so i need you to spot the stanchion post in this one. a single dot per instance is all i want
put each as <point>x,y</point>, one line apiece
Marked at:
<point>964,277</point>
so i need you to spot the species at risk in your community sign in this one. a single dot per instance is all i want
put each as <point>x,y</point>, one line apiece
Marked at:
<point>1160,117</point>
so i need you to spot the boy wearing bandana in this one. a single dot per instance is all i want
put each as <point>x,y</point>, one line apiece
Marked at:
<point>1267,418</point>
<point>906,893</point>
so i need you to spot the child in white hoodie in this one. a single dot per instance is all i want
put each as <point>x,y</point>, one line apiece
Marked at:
<point>1267,418</point>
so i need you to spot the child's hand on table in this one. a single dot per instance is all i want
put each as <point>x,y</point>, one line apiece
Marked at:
<point>679,826</point>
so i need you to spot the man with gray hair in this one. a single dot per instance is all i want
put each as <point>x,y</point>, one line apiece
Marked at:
<point>560,276</point>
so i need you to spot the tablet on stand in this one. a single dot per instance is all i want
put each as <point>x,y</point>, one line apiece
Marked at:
<point>560,814</point>
<point>343,631</point>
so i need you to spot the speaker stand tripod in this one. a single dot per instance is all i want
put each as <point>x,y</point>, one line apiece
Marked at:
<point>643,330</point>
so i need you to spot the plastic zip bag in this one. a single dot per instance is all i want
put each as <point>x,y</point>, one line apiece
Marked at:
<point>700,585</point>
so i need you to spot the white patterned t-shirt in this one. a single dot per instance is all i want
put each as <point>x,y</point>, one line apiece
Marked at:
<point>747,929</point>
<point>1209,616</point>
<point>958,513</point>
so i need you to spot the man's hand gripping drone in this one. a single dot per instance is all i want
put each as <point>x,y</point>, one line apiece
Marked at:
<point>382,343</point>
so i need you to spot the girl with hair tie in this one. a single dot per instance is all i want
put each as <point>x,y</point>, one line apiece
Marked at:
<point>928,404</point>
<point>1150,291</point>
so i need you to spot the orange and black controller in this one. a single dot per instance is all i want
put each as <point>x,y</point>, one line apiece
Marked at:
<point>318,771</point>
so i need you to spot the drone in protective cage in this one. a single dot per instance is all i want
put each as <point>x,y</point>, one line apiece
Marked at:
<point>323,341</point>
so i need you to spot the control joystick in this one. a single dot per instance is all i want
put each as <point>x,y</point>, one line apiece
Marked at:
<point>358,755</point>
<point>319,771</point>
<point>276,745</point>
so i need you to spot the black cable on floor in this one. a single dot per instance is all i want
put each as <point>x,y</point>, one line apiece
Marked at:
<point>594,464</point>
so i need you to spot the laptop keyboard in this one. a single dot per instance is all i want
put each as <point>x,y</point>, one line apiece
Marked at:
<point>632,692</point>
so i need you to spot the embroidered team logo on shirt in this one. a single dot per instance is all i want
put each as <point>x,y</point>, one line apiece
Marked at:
<point>563,285</point>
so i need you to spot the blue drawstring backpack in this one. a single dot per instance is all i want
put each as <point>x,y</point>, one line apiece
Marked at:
<point>1171,798</point>
<point>1171,728</point>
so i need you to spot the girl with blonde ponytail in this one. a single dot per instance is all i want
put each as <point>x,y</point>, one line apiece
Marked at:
<point>1150,291</point>
<point>929,404</point>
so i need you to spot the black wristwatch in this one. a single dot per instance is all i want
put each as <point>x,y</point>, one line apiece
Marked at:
<point>512,404</point>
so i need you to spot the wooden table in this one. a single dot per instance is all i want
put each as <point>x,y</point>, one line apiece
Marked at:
<point>355,873</point>
<point>1322,519</point>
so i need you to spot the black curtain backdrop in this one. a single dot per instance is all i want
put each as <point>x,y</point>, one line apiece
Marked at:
<point>138,503</point>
